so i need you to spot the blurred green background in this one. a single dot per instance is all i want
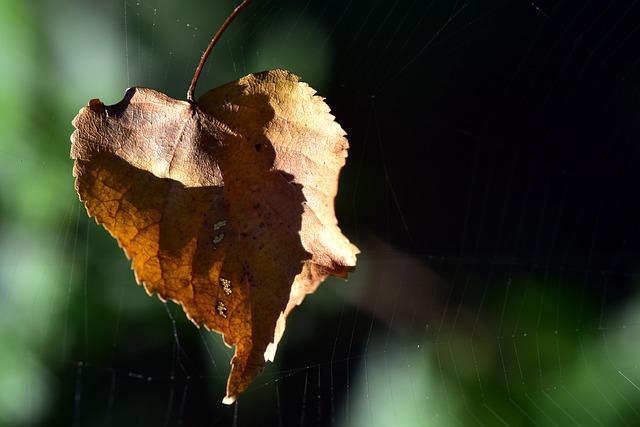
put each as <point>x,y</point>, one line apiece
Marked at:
<point>491,185</point>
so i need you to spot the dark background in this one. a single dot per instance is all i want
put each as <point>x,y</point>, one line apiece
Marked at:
<point>491,185</point>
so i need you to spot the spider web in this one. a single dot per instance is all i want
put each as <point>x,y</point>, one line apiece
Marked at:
<point>490,185</point>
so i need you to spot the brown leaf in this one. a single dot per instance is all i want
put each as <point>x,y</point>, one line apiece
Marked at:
<point>224,205</point>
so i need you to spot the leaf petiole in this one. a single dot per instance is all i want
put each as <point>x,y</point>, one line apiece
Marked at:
<point>212,43</point>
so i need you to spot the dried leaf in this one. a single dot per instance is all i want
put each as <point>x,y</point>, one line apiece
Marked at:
<point>224,205</point>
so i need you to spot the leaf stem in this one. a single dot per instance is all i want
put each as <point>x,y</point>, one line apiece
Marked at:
<point>212,43</point>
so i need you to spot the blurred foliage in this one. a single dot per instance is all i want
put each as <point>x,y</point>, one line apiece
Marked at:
<point>540,370</point>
